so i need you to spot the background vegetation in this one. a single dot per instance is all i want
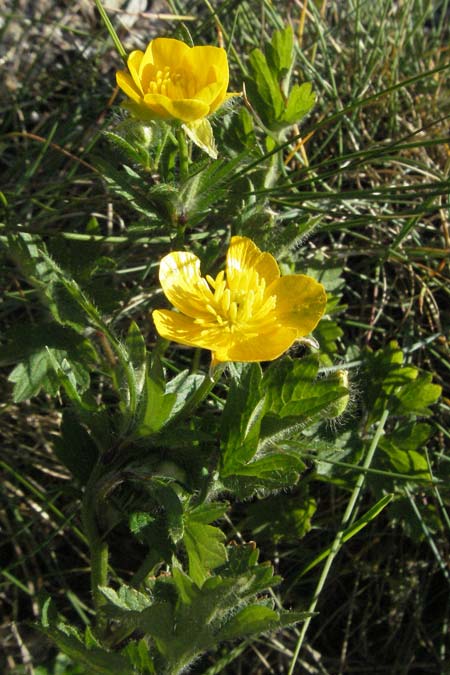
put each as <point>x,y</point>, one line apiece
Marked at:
<point>368,177</point>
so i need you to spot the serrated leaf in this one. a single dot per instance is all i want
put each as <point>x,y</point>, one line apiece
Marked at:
<point>416,396</point>
<point>208,188</point>
<point>208,512</point>
<point>173,506</point>
<point>280,51</point>
<point>240,559</point>
<point>248,621</point>
<point>38,372</point>
<point>130,186</point>
<point>295,396</point>
<point>241,418</point>
<point>327,334</point>
<point>403,389</point>
<point>205,549</point>
<point>300,101</point>
<point>280,469</point>
<point>127,598</point>
<point>264,90</point>
<point>282,517</point>
<point>404,448</point>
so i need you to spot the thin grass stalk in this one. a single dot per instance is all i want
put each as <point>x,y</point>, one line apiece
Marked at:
<point>338,540</point>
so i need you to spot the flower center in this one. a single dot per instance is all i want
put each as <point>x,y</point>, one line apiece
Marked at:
<point>243,309</point>
<point>170,83</point>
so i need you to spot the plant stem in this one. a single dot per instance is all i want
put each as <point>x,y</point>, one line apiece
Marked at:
<point>336,545</point>
<point>183,154</point>
<point>97,546</point>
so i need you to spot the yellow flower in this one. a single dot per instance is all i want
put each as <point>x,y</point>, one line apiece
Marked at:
<point>247,313</point>
<point>172,81</point>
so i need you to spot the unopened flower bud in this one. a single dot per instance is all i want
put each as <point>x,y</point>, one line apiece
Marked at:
<point>338,407</point>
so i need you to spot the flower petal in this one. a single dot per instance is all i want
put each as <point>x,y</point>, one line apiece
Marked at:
<point>133,62</point>
<point>264,347</point>
<point>301,302</point>
<point>183,286</point>
<point>126,83</point>
<point>166,52</point>
<point>218,75</point>
<point>187,331</point>
<point>208,63</point>
<point>180,328</point>
<point>244,258</point>
<point>186,110</point>
<point>210,93</point>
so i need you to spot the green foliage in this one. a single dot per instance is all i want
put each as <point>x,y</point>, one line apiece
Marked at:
<point>401,388</point>
<point>75,447</point>
<point>323,446</point>
<point>277,105</point>
<point>403,449</point>
<point>204,543</point>
<point>185,617</point>
<point>162,401</point>
<point>281,518</point>
<point>263,413</point>
<point>92,658</point>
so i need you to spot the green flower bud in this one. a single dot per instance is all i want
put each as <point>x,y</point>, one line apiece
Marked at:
<point>338,407</point>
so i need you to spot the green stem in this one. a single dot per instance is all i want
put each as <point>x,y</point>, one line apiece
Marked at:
<point>337,543</point>
<point>183,154</point>
<point>123,358</point>
<point>97,546</point>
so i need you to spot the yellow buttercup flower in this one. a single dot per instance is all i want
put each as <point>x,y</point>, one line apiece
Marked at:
<point>247,313</point>
<point>172,81</point>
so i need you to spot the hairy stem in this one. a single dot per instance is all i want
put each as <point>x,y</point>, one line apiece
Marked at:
<point>183,154</point>
<point>98,548</point>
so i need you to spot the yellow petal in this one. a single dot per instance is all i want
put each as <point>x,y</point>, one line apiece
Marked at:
<point>221,77</point>
<point>301,302</point>
<point>210,94</point>
<point>243,258</point>
<point>206,60</point>
<point>133,62</point>
<point>183,286</point>
<point>186,110</point>
<point>126,83</point>
<point>147,59</point>
<point>218,100</point>
<point>180,328</point>
<point>264,347</point>
<point>165,52</point>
